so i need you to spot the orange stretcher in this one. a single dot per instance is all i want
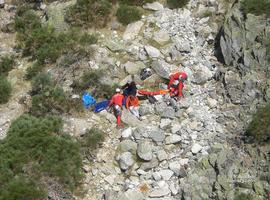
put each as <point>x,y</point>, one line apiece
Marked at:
<point>159,92</point>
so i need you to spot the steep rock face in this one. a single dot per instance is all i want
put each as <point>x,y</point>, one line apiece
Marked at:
<point>243,44</point>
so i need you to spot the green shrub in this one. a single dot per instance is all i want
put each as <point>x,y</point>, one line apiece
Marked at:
<point>256,7</point>
<point>92,80</point>
<point>42,43</point>
<point>177,3</point>
<point>93,13</point>
<point>35,147</point>
<point>243,196</point>
<point>92,138</point>
<point>128,14</point>
<point>41,82</point>
<point>259,127</point>
<point>21,188</point>
<point>136,2</point>
<point>5,90</point>
<point>33,70</point>
<point>6,64</point>
<point>88,39</point>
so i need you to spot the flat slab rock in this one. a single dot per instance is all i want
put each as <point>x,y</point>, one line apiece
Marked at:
<point>160,192</point>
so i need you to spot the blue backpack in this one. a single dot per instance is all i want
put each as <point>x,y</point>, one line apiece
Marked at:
<point>88,100</point>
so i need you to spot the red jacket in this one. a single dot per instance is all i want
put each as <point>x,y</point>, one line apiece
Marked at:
<point>175,77</point>
<point>132,101</point>
<point>117,99</point>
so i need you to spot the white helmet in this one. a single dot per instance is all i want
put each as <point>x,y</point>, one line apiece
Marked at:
<point>117,90</point>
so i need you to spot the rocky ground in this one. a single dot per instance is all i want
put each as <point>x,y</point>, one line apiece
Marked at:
<point>192,149</point>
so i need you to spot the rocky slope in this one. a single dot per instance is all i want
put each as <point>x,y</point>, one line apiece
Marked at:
<point>192,149</point>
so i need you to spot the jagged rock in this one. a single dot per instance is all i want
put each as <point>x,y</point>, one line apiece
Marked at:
<point>130,119</point>
<point>152,51</point>
<point>162,155</point>
<point>114,46</point>
<point>162,68</point>
<point>173,139</point>
<point>131,195</point>
<point>161,37</point>
<point>132,30</point>
<point>149,165</point>
<point>160,192</point>
<point>157,135</point>
<point>110,179</point>
<point>196,148</point>
<point>146,109</point>
<point>153,6</point>
<point>165,123</point>
<point>125,160</point>
<point>144,150</point>
<point>127,145</point>
<point>176,128</point>
<point>133,68</point>
<point>212,102</point>
<point>156,176</point>
<point>166,174</point>
<point>126,133</point>
<point>175,167</point>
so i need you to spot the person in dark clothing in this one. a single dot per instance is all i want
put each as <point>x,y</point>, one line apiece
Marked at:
<point>130,88</point>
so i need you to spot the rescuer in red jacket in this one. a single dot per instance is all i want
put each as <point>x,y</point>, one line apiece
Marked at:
<point>176,83</point>
<point>117,102</point>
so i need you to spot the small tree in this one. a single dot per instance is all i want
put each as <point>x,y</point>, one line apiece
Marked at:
<point>5,90</point>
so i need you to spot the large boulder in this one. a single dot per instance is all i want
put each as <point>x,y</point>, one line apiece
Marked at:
<point>161,37</point>
<point>163,68</point>
<point>152,51</point>
<point>133,68</point>
<point>132,30</point>
<point>125,160</point>
<point>144,150</point>
<point>155,6</point>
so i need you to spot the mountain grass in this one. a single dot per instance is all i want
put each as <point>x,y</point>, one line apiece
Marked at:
<point>33,148</point>
<point>259,128</point>
<point>5,90</point>
<point>256,7</point>
<point>128,14</point>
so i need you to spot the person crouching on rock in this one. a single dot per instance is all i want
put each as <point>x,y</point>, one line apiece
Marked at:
<point>117,102</point>
<point>176,84</point>
<point>132,104</point>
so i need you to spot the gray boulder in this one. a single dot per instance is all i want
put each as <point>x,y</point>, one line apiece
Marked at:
<point>132,30</point>
<point>155,6</point>
<point>125,160</point>
<point>131,195</point>
<point>152,51</point>
<point>161,37</point>
<point>144,150</point>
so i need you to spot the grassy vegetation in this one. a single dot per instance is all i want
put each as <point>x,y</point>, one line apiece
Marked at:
<point>256,7</point>
<point>42,43</point>
<point>6,64</point>
<point>48,98</point>
<point>259,127</point>
<point>128,14</point>
<point>135,2</point>
<point>90,13</point>
<point>92,80</point>
<point>35,147</point>
<point>91,140</point>
<point>177,3</point>
<point>5,90</point>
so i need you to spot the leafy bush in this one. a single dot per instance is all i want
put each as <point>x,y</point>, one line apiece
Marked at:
<point>41,82</point>
<point>177,3</point>
<point>128,14</point>
<point>35,147</point>
<point>5,90</point>
<point>256,7</point>
<point>33,70</point>
<point>259,127</point>
<point>42,43</point>
<point>87,39</point>
<point>92,80</point>
<point>136,2</point>
<point>93,13</point>
<point>21,188</point>
<point>92,138</point>
<point>6,64</point>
